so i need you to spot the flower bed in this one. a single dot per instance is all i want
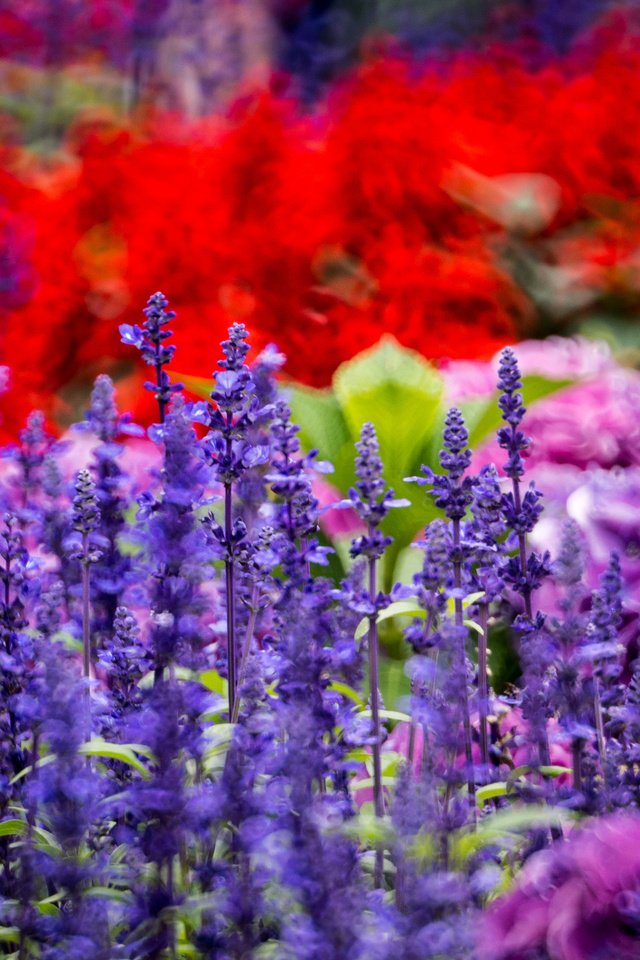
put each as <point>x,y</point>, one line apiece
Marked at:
<point>190,708</point>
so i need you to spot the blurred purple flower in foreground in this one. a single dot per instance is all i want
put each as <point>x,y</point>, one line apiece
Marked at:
<point>579,900</point>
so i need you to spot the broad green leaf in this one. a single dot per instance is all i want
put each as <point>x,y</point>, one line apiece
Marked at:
<point>398,391</point>
<point>408,563</point>
<point>48,908</point>
<point>358,755</point>
<point>401,394</point>
<point>322,423</point>
<point>9,934</point>
<point>467,601</point>
<point>472,598</point>
<point>390,761</point>
<point>506,827</point>
<point>68,640</point>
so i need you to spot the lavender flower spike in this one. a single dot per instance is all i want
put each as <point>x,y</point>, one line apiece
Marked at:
<point>150,340</point>
<point>372,503</point>
<point>231,455</point>
<point>86,517</point>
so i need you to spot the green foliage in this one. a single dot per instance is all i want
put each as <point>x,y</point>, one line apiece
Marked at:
<point>124,752</point>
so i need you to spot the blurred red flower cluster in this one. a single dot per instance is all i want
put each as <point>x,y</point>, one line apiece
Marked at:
<point>390,209</point>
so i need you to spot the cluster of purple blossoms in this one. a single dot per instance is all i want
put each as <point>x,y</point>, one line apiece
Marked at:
<point>190,710</point>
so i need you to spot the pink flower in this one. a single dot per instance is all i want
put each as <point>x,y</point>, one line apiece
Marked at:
<point>579,900</point>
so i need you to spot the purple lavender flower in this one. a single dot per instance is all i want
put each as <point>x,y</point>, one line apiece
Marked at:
<point>432,583</point>
<point>297,515</point>
<point>112,572</point>
<point>453,493</point>
<point>233,452</point>
<point>87,549</point>
<point>29,455</point>
<point>125,660</point>
<point>175,555</point>
<point>150,340</point>
<point>372,502</point>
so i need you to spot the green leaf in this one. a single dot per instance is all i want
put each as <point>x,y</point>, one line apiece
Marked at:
<point>467,601</point>
<point>491,790</point>
<point>390,715</point>
<point>552,770</point>
<point>390,760</point>
<point>398,391</point>
<point>322,426</point>
<point>123,752</point>
<point>401,394</point>
<point>347,692</point>
<point>110,893</point>
<point>9,934</point>
<point>212,680</point>
<point>359,755</point>
<point>394,683</point>
<point>68,640</point>
<point>519,818</point>
<point>220,733</point>
<point>12,828</point>
<point>401,608</point>
<point>369,829</point>
<point>472,598</point>
<point>199,386</point>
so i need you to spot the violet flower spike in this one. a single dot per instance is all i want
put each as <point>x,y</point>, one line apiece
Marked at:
<point>453,493</point>
<point>488,526</point>
<point>150,340</point>
<point>525,571</point>
<point>371,502</point>
<point>86,517</point>
<point>231,455</point>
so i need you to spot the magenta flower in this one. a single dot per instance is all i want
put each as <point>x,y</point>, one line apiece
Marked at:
<point>579,900</point>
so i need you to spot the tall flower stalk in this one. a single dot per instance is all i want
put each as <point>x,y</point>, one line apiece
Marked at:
<point>231,453</point>
<point>86,518</point>
<point>372,502</point>
<point>453,493</point>
<point>486,530</point>
<point>526,570</point>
